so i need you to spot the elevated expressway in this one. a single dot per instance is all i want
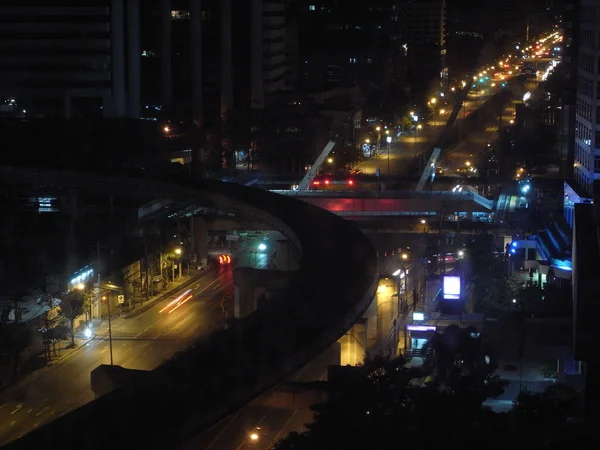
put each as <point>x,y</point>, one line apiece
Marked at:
<point>176,401</point>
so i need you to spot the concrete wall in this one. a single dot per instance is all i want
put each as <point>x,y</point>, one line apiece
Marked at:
<point>255,287</point>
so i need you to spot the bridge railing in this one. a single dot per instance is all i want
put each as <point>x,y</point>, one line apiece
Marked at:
<point>463,195</point>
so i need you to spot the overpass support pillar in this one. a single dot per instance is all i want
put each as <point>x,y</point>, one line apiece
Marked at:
<point>387,308</point>
<point>254,287</point>
<point>353,345</point>
<point>287,256</point>
<point>200,232</point>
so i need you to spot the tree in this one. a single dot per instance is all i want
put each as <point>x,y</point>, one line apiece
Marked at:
<point>73,305</point>
<point>406,122</point>
<point>384,403</point>
<point>486,275</point>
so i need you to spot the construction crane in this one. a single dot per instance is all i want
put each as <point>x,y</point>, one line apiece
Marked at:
<point>306,182</point>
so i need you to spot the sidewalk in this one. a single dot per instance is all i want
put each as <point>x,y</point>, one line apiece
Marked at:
<point>62,351</point>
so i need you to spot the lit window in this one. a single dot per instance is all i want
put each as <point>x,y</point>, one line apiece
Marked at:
<point>311,7</point>
<point>180,15</point>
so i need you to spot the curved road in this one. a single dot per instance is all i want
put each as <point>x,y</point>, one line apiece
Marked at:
<point>140,343</point>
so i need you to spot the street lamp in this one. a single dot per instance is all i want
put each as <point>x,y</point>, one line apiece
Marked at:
<point>330,160</point>
<point>166,129</point>
<point>255,436</point>
<point>419,126</point>
<point>389,141</point>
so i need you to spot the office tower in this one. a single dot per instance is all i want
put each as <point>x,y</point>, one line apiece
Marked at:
<point>425,37</point>
<point>587,136</point>
<point>67,60</point>
<point>586,165</point>
<point>267,49</point>
<point>586,290</point>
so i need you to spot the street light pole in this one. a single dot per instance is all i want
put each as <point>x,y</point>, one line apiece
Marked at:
<point>110,347</point>
<point>388,140</point>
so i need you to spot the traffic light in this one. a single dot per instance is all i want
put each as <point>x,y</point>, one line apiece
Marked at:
<point>224,259</point>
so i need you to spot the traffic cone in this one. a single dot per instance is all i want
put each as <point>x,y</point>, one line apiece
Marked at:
<point>392,252</point>
<point>385,253</point>
<point>377,254</point>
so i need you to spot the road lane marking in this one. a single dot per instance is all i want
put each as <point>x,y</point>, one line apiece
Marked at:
<point>13,422</point>
<point>19,406</point>
<point>157,336</point>
<point>42,411</point>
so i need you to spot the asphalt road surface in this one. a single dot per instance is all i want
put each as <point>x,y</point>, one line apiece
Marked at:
<point>270,424</point>
<point>140,343</point>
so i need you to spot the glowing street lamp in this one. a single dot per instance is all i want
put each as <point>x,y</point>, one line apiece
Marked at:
<point>166,129</point>
<point>178,251</point>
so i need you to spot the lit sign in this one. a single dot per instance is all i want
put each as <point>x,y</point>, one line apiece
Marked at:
<point>418,316</point>
<point>451,288</point>
<point>421,328</point>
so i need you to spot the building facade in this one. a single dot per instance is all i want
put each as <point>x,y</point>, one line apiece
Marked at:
<point>587,128</point>
<point>424,27</point>
<point>70,60</point>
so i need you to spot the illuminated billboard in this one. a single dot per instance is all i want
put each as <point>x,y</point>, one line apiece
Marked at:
<point>451,288</point>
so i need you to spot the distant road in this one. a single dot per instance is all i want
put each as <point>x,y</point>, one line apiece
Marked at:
<point>140,343</point>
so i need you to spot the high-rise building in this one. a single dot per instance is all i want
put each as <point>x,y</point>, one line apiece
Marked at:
<point>586,308</point>
<point>269,63</point>
<point>586,165</point>
<point>425,36</point>
<point>569,22</point>
<point>344,44</point>
<point>67,60</point>
<point>587,133</point>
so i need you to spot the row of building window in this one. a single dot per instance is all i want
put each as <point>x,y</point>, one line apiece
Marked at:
<point>584,109</point>
<point>585,86</point>
<point>582,179</point>
<point>586,63</point>
<point>584,133</point>
<point>588,14</point>
<point>587,38</point>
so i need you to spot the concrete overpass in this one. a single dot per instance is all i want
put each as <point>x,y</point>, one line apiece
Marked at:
<point>394,203</point>
<point>179,399</point>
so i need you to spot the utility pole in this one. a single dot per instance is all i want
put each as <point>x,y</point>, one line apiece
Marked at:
<point>99,306</point>
<point>110,347</point>
<point>99,299</point>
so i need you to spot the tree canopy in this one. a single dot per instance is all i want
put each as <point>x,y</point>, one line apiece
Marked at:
<point>385,405</point>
